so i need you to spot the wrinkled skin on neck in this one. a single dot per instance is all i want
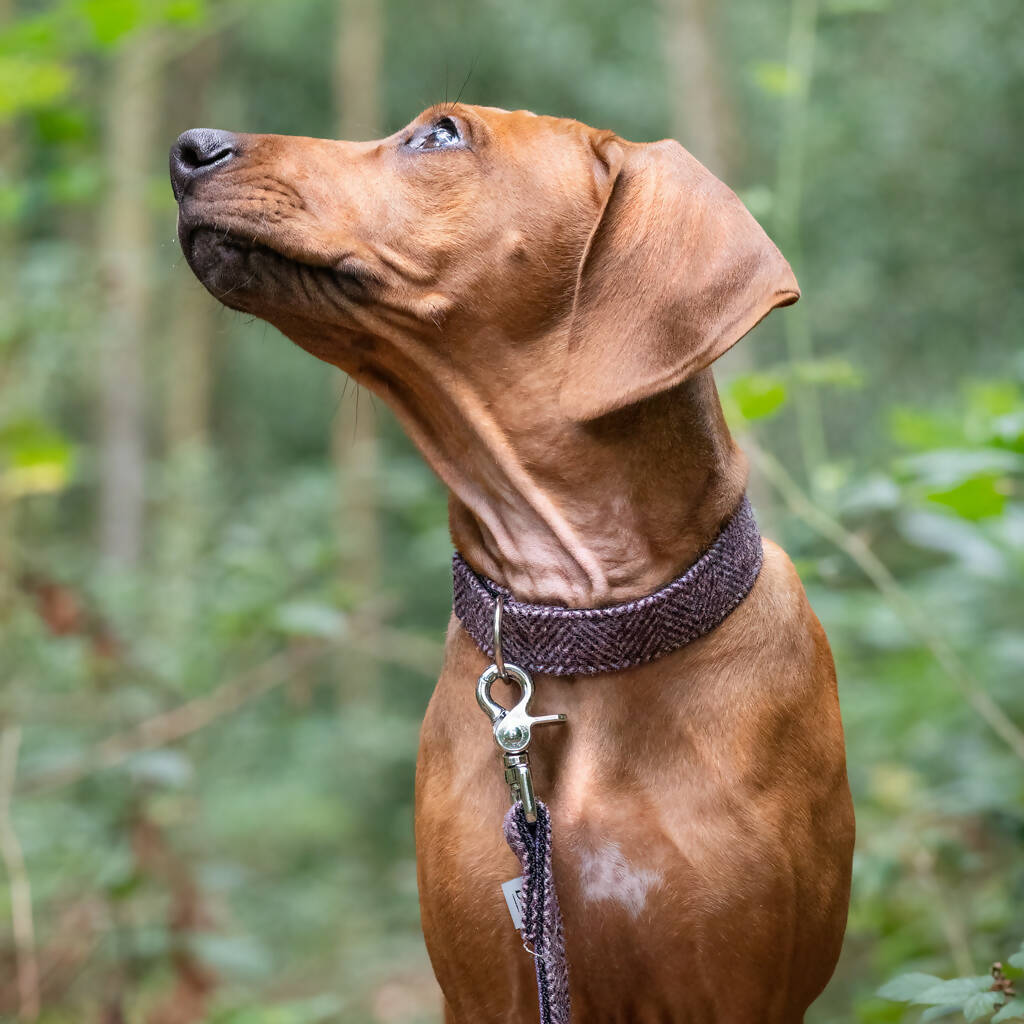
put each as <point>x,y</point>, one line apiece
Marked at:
<point>444,282</point>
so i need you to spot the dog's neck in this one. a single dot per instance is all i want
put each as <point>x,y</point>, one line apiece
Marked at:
<point>582,515</point>
<point>607,511</point>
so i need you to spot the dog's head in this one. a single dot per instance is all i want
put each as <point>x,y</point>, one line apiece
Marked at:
<point>492,245</point>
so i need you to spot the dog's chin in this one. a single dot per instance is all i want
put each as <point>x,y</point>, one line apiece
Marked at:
<point>233,271</point>
<point>253,278</point>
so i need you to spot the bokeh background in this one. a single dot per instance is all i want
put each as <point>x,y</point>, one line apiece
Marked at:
<point>224,575</point>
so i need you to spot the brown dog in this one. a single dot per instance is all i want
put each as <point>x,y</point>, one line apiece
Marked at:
<point>540,303</point>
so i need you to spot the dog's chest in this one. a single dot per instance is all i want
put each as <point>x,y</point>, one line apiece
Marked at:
<point>704,844</point>
<point>641,903</point>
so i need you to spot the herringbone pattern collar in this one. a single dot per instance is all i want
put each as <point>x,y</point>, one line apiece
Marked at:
<point>585,641</point>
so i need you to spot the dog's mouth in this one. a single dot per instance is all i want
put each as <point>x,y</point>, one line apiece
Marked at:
<point>247,274</point>
<point>236,270</point>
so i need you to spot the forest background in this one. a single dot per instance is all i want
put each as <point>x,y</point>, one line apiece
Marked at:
<point>224,575</point>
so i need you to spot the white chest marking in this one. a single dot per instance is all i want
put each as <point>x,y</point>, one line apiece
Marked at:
<point>605,874</point>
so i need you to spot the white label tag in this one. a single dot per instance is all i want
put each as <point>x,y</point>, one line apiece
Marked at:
<point>513,891</point>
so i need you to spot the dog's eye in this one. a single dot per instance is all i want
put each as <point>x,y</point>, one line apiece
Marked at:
<point>442,135</point>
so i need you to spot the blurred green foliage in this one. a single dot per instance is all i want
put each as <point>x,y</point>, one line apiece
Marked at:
<point>204,791</point>
<point>989,996</point>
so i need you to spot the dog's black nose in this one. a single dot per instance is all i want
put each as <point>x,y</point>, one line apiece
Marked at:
<point>199,151</point>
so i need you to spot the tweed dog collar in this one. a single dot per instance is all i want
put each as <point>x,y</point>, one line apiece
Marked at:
<point>564,641</point>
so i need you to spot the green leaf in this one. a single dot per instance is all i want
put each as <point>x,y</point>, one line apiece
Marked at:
<point>981,1004</point>
<point>77,183</point>
<point>309,618</point>
<point>317,1010</point>
<point>184,12</point>
<point>1013,1010</point>
<point>165,768</point>
<point>913,428</point>
<point>756,396</point>
<point>993,398</point>
<point>947,467</point>
<point>855,6</point>
<point>981,497</point>
<point>26,83</point>
<point>125,887</point>
<point>63,124</point>
<point>110,20</point>
<point>239,955</point>
<point>837,372</point>
<point>36,34</point>
<point>34,459</point>
<point>938,1012</point>
<point>907,986</point>
<point>13,199</point>
<point>1017,959</point>
<point>1008,430</point>
<point>777,79</point>
<point>956,990</point>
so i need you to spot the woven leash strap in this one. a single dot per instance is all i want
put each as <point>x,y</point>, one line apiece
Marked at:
<point>542,920</point>
<point>564,641</point>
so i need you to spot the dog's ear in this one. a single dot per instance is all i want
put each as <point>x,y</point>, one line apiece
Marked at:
<point>675,272</point>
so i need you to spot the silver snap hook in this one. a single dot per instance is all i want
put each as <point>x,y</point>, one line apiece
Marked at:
<point>512,726</point>
<point>513,730</point>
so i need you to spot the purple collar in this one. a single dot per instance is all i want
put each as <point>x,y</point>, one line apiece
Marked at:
<point>562,641</point>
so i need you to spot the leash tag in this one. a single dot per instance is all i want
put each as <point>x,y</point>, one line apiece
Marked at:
<point>513,892</point>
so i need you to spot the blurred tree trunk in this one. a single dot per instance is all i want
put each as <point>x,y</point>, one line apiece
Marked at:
<point>18,893</point>
<point>354,438</point>
<point>18,884</point>
<point>187,370</point>
<point>124,237</point>
<point>803,30</point>
<point>187,412</point>
<point>704,120</point>
<point>10,325</point>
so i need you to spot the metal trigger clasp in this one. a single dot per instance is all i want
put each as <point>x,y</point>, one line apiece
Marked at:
<point>513,731</point>
<point>512,726</point>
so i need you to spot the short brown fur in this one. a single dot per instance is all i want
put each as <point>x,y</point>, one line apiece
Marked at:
<point>540,306</point>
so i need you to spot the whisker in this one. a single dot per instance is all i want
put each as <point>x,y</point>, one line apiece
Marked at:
<point>238,287</point>
<point>469,75</point>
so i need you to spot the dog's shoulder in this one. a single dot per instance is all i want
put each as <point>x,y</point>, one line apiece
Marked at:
<point>777,602</point>
<point>775,628</point>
